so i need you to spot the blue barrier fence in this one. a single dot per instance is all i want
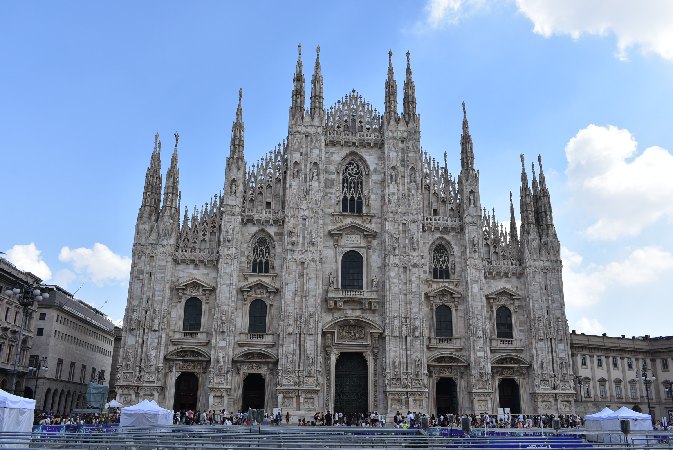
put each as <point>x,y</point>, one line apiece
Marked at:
<point>102,428</point>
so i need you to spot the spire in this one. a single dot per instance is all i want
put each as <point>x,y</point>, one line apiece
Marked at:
<point>317,99</point>
<point>409,93</point>
<point>536,196</point>
<point>526,201</point>
<point>172,189</point>
<point>391,90</point>
<point>546,216</point>
<point>152,190</point>
<point>466,150</point>
<point>236,146</point>
<point>298,92</point>
<point>512,220</point>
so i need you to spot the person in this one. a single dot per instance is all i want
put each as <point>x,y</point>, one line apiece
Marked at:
<point>287,418</point>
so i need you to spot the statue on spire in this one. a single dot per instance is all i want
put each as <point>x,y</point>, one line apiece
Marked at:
<point>409,93</point>
<point>317,98</point>
<point>391,90</point>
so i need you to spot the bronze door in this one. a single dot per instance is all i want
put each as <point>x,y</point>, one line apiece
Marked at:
<point>253,392</point>
<point>351,384</point>
<point>447,396</point>
<point>509,395</point>
<point>186,390</point>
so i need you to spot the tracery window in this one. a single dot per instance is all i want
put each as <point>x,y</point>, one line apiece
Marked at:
<point>257,317</point>
<point>261,253</point>
<point>351,188</point>
<point>351,270</point>
<point>440,263</point>
<point>503,323</point>
<point>443,321</point>
<point>192,316</point>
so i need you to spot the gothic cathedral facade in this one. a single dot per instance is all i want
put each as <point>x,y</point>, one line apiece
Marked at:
<point>348,271</point>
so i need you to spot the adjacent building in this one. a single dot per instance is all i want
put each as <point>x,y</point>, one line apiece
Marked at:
<point>16,328</point>
<point>609,371</point>
<point>346,270</point>
<point>77,341</point>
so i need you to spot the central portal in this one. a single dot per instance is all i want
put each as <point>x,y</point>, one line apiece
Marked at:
<point>351,391</point>
<point>253,392</point>
<point>447,396</point>
<point>186,390</point>
<point>509,395</point>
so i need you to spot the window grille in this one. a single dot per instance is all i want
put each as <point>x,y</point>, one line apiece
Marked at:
<point>261,253</point>
<point>440,263</point>
<point>351,188</point>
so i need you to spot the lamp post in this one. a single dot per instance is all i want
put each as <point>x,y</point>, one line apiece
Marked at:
<point>578,381</point>
<point>26,296</point>
<point>41,364</point>
<point>647,381</point>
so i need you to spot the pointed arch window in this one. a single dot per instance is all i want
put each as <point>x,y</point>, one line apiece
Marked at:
<point>351,188</point>
<point>440,262</point>
<point>351,270</point>
<point>257,317</point>
<point>192,317</point>
<point>443,321</point>
<point>503,323</point>
<point>261,254</point>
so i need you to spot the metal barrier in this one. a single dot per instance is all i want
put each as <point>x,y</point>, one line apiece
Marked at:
<point>292,437</point>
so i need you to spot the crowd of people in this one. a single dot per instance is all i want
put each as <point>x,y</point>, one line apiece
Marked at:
<point>371,419</point>
<point>109,417</point>
<point>374,419</point>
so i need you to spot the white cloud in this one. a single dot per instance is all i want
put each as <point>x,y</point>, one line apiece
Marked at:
<point>589,326</point>
<point>444,12</point>
<point>586,286</point>
<point>642,24</point>
<point>99,264</point>
<point>645,24</point>
<point>29,259</point>
<point>622,191</point>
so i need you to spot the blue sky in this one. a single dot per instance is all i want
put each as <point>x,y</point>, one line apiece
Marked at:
<point>586,84</point>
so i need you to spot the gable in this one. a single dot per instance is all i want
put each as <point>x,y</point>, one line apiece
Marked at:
<point>443,291</point>
<point>258,286</point>
<point>194,285</point>
<point>504,292</point>
<point>352,228</point>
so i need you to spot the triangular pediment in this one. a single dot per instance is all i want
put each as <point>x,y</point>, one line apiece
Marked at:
<point>352,228</point>
<point>260,285</point>
<point>195,283</point>
<point>255,355</point>
<point>447,359</point>
<point>442,291</point>
<point>504,292</point>
<point>510,360</point>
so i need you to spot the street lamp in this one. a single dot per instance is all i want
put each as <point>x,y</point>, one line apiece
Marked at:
<point>647,381</point>
<point>578,381</point>
<point>26,296</point>
<point>41,364</point>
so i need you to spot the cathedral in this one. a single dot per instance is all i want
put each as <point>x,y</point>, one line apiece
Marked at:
<point>346,270</point>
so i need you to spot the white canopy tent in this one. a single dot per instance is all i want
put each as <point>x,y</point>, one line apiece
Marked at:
<point>16,415</point>
<point>113,404</point>
<point>607,424</point>
<point>145,413</point>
